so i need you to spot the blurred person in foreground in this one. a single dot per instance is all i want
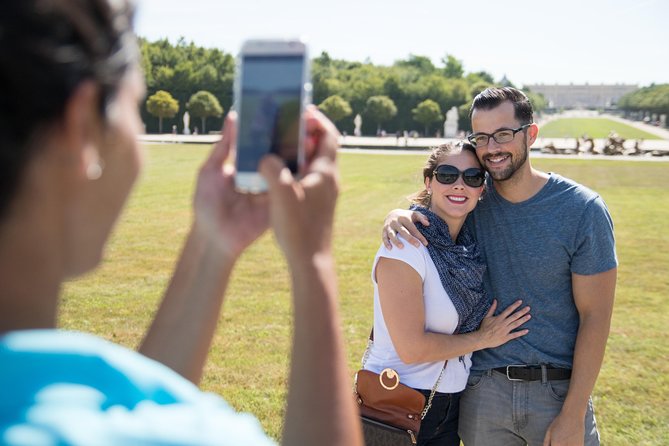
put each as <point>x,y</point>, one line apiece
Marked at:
<point>69,91</point>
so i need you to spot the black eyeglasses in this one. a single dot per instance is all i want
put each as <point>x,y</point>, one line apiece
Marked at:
<point>500,136</point>
<point>447,174</point>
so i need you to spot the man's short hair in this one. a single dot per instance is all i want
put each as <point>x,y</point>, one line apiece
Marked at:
<point>492,97</point>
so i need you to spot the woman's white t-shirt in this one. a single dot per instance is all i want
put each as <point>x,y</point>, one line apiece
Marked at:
<point>440,317</point>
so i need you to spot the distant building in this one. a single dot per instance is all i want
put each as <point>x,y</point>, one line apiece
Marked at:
<point>582,96</point>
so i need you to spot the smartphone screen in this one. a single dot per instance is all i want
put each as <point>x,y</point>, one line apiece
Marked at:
<point>269,115</point>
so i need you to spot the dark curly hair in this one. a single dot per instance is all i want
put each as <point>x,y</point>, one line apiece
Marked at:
<point>47,48</point>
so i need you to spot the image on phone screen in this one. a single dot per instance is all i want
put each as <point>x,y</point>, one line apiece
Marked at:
<point>270,109</point>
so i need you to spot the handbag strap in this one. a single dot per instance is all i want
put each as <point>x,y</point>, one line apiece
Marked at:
<point>365,357</point>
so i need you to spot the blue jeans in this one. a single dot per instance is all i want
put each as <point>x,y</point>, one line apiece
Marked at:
<point>440,425</point>
<point>497,411</point>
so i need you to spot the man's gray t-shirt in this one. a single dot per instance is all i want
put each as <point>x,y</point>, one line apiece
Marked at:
<point>531,249</point>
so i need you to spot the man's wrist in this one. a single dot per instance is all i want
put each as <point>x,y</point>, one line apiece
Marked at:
<point>574,407</point>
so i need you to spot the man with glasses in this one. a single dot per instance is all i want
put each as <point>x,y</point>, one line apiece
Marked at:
<point>548,241</point>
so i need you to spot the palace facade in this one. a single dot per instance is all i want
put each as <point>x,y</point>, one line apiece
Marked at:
<point>582,96</point>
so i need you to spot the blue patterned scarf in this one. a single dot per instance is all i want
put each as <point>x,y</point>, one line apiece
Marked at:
<point>460,269</point>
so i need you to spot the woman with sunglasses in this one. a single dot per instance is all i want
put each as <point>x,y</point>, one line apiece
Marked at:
<point>430,308</point>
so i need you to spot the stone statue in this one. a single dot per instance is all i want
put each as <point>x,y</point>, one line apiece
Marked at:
<point>358,123</point>
<point>186,123</point>
<point>451,123</point>
<point>589,144</point>
<point>614,144</point>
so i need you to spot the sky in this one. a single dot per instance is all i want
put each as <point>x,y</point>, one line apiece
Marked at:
<point>529,42</point>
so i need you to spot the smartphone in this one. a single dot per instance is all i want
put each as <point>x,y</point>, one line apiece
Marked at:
<point>272,88</point>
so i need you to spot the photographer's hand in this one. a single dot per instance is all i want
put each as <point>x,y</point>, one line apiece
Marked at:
<point>302,214</point>
<point>225,223</point>
<point>225,216</point>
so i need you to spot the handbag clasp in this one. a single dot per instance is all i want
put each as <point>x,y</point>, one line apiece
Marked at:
<point>391,374</point>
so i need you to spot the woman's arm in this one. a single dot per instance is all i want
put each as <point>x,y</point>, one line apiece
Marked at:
<point>401,296</point>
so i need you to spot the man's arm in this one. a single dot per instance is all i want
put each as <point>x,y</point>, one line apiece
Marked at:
<point>594,297</point>
<point>401,221</point>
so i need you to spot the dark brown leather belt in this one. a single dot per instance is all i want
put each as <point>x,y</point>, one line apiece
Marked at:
<point>532,372</point>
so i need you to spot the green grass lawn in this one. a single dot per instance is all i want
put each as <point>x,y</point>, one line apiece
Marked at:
<point>249,360</point>
<point>593,127</point>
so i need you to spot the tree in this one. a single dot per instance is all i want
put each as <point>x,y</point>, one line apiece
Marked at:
<point>452,67</point>
<point>537,100</point>
<point>336,108</point>
<point>324,59</point>
<point>163,76</point>
<point>651,99</point>
<point>203,105</point>
<point>505,82</point>
<point>422,63</point>
<point>184,68</point>
<point>162,105</point>
<point>396,88</point>
<point>478,76</point>
<point>478,87</point>
<point>464,123</point>
<point>445,92</point>
<point>426,113</point>
<point>380,109</point>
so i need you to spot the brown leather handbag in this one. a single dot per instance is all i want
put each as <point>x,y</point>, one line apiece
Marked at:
<point>391,412</point>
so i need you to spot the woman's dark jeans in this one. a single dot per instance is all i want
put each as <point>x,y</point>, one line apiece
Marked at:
<point>440,425</point>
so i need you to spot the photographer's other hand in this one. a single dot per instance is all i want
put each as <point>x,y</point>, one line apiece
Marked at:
<point>302,211</point>
<point>222,214</point>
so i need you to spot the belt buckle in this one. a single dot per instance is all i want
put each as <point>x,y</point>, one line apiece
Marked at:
<point>515,366</point>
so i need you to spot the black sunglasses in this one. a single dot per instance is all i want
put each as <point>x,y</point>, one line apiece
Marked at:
<point>447,174</point>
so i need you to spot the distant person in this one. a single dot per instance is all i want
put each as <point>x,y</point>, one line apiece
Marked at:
<point>429,302</point>
<point>548,241</point>
<point>70,159</point>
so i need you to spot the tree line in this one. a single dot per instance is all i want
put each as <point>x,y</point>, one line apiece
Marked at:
<point>647,101</point>
<point>175,74</point>
<point>413,94</point>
